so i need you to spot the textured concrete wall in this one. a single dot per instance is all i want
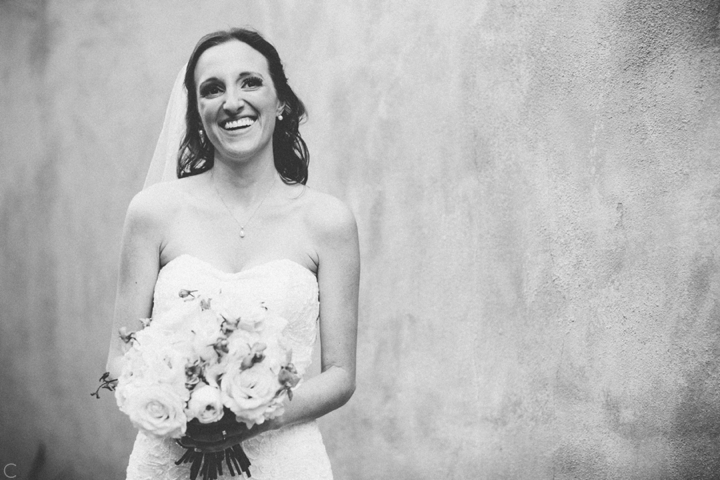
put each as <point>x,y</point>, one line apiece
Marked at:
<point>537,186</point>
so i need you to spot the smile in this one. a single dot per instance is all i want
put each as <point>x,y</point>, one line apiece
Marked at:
<point>238,124</point>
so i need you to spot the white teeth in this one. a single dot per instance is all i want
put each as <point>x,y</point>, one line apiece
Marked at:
<point>240,123</point>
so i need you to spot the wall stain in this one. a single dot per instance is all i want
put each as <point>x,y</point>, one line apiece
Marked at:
<point>633,419</point>
<point>695,430</point>
<point>649,30</point>
<point>35,13</point>
<point>579,461</point>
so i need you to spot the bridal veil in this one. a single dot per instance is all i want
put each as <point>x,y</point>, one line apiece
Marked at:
<point>163,166</point>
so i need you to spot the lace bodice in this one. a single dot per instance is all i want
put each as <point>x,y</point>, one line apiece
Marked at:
<point>291,291</point>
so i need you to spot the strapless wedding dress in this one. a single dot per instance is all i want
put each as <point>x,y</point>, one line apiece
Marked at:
<point>291,453</point>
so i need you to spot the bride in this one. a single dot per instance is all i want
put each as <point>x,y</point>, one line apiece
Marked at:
<point>240,218</point>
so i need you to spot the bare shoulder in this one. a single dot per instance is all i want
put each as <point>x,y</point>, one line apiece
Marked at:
<point>153,206</point>
<point>328,218</point>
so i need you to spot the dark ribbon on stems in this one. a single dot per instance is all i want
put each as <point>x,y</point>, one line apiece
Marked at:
<point>210,464</point>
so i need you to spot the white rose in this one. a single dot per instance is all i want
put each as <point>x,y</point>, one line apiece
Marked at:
<point>250,393</point>
<point>205,404</point>
<point>156,409</point>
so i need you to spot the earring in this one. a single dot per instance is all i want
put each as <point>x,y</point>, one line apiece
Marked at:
<point>280,117</point>
<point>201,134</point>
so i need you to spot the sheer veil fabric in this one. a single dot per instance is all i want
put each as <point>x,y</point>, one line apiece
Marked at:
<point>164,161</point>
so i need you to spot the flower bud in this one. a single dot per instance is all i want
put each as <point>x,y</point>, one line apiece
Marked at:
<point>125,336</point>
<point>288,376</point>
<point>256,355</point>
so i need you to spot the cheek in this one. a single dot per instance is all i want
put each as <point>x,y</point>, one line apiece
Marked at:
<point>205,112</point>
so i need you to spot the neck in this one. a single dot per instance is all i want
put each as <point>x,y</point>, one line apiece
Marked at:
<point>243,183</point>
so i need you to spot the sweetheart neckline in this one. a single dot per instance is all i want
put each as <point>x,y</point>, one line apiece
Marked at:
<point>215,269</point>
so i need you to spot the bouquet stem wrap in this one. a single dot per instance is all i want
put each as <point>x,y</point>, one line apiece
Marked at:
<point>210,464</point>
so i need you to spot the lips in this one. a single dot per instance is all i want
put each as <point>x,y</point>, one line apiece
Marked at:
<point>238,123</point>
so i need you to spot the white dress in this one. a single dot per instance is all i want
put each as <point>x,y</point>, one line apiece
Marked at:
<point>291,453</point>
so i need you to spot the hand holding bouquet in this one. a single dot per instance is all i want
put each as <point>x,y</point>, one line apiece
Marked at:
<point>205,363</point>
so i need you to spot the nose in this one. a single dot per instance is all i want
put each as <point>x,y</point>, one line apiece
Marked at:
<point>233,101</point>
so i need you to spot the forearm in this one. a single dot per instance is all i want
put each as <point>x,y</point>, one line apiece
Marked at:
<point>317,396</point>
<point>312,399</point>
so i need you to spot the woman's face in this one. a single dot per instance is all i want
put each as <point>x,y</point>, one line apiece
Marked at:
<point>237,101</point>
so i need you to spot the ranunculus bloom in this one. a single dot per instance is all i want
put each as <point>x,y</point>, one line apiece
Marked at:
<point>205,404</point>
<point>156,409</point>
<point>251,393</point>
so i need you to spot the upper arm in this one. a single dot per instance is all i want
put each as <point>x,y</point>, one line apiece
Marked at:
<point>139,267</point>
<point>338,278</point>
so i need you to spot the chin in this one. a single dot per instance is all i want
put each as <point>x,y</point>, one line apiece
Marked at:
<point>239,155</point>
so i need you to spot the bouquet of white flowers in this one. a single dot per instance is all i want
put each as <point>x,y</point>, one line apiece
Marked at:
<point>207,361</point>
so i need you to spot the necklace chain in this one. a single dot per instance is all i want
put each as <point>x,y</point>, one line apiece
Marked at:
<point>242,225</point>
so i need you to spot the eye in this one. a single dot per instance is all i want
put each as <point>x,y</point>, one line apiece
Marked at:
<point>211,90</point>
<point>252,82</point>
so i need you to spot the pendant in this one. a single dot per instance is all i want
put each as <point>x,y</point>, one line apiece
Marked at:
<point>242,232</point>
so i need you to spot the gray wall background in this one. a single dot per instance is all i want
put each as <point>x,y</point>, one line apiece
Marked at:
<point>537,188</point>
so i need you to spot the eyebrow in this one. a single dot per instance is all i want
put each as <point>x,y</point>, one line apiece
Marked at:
<point>240,76</point>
